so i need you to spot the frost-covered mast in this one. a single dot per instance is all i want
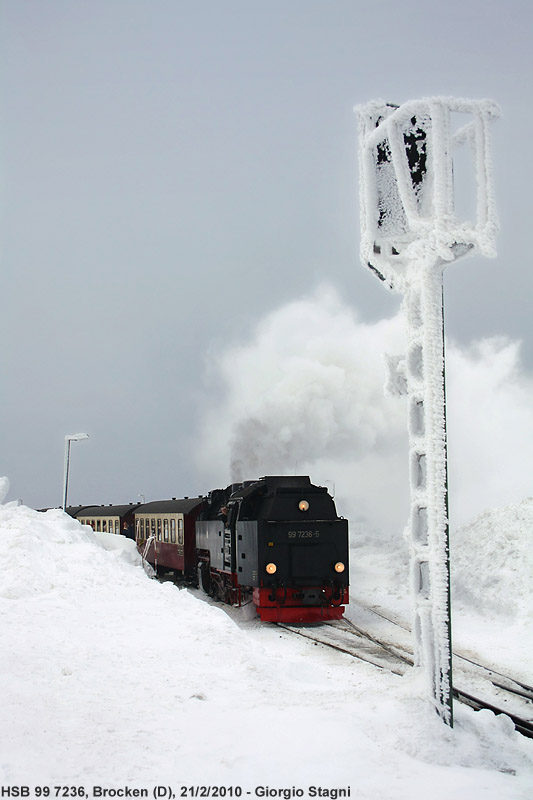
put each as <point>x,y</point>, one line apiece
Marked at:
<point>409,232</point>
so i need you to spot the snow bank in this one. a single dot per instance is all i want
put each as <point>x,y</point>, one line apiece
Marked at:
<point>492,583</point>
<point>111,679</point>
<point>493,560</point>
<point>48,553</point>
<point>492,587</point>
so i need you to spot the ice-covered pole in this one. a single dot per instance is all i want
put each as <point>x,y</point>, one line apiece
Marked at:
<point>409,232</point>
<point>428,528</point>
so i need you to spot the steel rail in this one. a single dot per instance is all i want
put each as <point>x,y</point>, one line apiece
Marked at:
<point>522,690</point>
<point>401,662</point>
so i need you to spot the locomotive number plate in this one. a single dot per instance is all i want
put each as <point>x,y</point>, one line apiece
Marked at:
<point>304,534</point>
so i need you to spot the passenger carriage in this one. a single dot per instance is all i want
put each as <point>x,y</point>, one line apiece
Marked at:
<point>165,534</point>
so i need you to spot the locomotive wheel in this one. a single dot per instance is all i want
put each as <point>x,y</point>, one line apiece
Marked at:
<point>217,590</point>
<point>204,578</point>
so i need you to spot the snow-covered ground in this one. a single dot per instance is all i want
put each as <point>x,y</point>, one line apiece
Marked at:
<point>492,584</point>
<point>114,680</point>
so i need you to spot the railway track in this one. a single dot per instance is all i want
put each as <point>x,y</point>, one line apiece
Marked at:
<point>347,639</point>
<point>464,664</point>
<point>478,686</point>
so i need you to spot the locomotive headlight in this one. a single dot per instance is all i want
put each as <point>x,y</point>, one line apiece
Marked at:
<point>303,505</point>
<point>339,567</point>
<point>271,568</point>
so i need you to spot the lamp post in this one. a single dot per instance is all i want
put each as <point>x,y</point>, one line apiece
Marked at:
<point>73,437</point>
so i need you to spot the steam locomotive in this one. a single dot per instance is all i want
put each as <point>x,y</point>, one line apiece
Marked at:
<point>276,542</point>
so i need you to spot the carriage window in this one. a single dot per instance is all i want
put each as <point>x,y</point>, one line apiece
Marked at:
<point>173,530</point>
<point>104,525</point>
<point>117,526</point>
<point>138,534</point>
<point>165,530</point>
<point>159,529</point>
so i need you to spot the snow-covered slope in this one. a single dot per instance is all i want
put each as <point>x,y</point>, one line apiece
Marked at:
<point>492,560</point>
<point>115,680</point>
<point>492,584</point>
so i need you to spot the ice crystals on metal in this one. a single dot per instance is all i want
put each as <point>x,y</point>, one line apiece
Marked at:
<point>411,157</point>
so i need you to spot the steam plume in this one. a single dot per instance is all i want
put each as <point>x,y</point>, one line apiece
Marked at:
<point>305,395</point>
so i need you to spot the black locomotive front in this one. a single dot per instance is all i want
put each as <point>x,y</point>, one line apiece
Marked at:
<point>279,539</point>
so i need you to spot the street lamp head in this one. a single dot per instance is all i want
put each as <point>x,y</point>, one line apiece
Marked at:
<point>75,437</point>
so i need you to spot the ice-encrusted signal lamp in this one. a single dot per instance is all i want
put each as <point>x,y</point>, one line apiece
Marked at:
<point>409,162</point>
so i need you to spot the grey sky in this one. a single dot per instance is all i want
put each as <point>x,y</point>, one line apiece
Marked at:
<point>172,171</point>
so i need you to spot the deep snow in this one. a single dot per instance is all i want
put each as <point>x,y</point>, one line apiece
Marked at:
<point>112,679</point>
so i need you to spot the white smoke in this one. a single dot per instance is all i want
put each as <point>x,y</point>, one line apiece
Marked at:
<point>490,427</point>
<point>304,395</point>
